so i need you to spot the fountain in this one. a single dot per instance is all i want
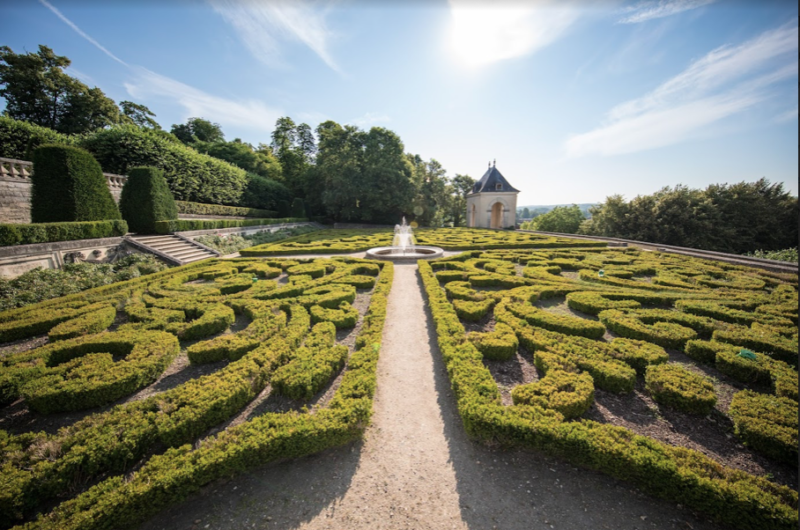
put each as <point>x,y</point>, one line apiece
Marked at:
<point>404,247</point>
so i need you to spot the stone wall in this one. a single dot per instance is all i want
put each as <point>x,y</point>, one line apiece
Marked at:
<point>15,190</point>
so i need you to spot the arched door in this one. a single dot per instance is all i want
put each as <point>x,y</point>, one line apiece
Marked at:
<point>472,214</point>
<point>497,215</point>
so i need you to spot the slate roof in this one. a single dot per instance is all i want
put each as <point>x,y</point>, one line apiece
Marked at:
<point>490,180</point>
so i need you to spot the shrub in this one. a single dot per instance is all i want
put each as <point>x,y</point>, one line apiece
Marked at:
<point>561,323</point>
<point>18,138</point>
<point>771,344</point>
<point>665,334</point>
<point>472,311</point>
<point>638,354</point>
<point>569,393</point>
<point>676,387</point>
<point>767,424</point>
<point>197,208</point>
<point>592,303</point>
<point>68,185</point>
<point>146,199</point>
<point>191,176</point>
<point>344,317</point>
<point>26,234</point>
<point>498,345</point>
<point>93,322</point>
<point>183,225</point>
<point>261,192</point>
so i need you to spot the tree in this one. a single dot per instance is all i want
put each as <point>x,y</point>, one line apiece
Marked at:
<point>526,213</point>
<point>295,148</point>
<point>261,162</point>
<point>432,201</point>
<point>37,90</point>
<point>565,219</point>
<point>138,115</point>
<point>461,186</point>
<point>198,129</point>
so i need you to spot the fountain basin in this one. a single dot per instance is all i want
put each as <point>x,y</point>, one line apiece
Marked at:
<point>400,254</point>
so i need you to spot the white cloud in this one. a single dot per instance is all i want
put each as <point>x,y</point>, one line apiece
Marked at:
<point>645,11</point>
<point>369,119</point>
<point>262,25</point>
<point>149,86</point>
<point>484,33</point>
<point>726,81</point>
<point>80,32</point>
<point>789,115</point>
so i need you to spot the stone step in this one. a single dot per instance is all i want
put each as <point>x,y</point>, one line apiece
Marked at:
<point>197,257</point>
<point>166,246</point>
<point>186,251</point>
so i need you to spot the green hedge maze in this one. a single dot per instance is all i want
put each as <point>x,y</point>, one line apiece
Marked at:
<point>156,386</point>
<point>582,352</point>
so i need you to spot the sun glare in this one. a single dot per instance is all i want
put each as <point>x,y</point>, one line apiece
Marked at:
<point>486,33</point>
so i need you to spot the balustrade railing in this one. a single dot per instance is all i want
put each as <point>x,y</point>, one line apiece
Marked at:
<point>22,170</point>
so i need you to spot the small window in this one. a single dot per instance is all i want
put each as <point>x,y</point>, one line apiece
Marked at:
<point>498,187</point>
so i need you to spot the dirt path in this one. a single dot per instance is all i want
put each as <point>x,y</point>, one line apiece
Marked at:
<point>416,469</point>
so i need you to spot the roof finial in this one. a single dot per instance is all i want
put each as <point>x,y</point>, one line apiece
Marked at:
<point>490,164</point>
<point>495,163</point>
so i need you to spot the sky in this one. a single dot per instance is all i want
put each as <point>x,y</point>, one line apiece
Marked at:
<point>575,101</point>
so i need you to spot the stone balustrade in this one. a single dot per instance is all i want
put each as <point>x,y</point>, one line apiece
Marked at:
<point>15,189</point>
<point>23,170</point>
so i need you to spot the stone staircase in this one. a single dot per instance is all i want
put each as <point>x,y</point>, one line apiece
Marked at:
<point>172,248</point>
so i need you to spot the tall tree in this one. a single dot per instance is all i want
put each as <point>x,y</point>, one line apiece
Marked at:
<point>566,219</point>
<point>138,115</point>
<point>198,130</point>
<point>294,146</point>
<point>37,89</point>
<point>461,187</point>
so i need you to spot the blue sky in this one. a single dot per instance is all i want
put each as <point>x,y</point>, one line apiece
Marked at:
<point>575,100</point>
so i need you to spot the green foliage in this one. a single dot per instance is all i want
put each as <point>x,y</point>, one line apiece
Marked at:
<point>676,387</point>
<point>344,317</point>
<point>767,424</point>
<point>68,185</point>
<point>183,225</point>
<point>473,311</point>
<point>26,234</point>
<point>18,139</point>
<point>298,208</point>
<point>89,323</point>
<point>259,161</point>
<point>498,345</point>
<point>776,346</point>
<point>146,199</point>
<point>198,129</point>
<point>630,325</point>
<point>568,325</point>
<point>733,497</point>
<point>569,393</point>
<point>37,90</point>
<point>197,208</point>
<point>191,176</point>
<point>564,219</point>
<point>235,243</point>
<point>788,254</point>
<point>735,218</point>
<point>593,303</point>
<point>638,354</point>
<point>261,192</point>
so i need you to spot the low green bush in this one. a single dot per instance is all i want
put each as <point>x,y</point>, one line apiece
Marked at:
<point>88,323</point>
<point>767,424</point>
<point>344,317</point>
<point>676,387</point>
<point>498,345</point>
<point>774,345</point>
<point>473,311</point>
<point>568,325</point>
<point>569,393</point>
<point>593,303</point>
<point>26,234</point>
<point>185,225</point>
<point>629,325</point>
<point>196,208</point>
<point>638,354</point>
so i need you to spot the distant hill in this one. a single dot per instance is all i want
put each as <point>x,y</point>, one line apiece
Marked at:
<point>539,209</point>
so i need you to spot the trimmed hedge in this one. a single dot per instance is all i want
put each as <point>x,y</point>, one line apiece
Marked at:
<point>473,311</point>
<point>191,176</point>
<point>676,387</point>
<point>146,199</point>
<point>88,323</point>
<point>197,208</point>
<point>184,225</point>
<point>568,325</point>
<point>776,346</point>
<point>498,345</point>
<point>28,234</point>
<point>569,393</point>
<point>593,303</point>
<point>18,138</point>
<point>629,325</point>
<point>68,185</point>
<point>343,318</point>
<point>767,424</point>
<point>728,495</point>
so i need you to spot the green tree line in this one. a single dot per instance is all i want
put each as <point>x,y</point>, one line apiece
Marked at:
<point>342,173</point>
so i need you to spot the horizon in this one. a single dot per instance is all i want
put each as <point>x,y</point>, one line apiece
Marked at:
<point>638,95</point>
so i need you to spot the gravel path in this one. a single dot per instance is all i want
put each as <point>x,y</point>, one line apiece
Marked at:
<point>416,469</point>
